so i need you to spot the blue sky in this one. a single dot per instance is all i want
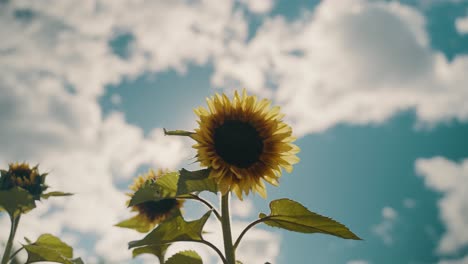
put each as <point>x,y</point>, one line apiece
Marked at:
<point>375,91</point>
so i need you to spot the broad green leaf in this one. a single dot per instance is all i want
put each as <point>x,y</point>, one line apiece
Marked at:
<point>293,216</point>
<point>165,187</point>
<point>185,257</point>
<point>157,250</point>
<point>55,194</point>
<point>173,230</point>
<point>195,181</point>
<point>16,201</point>
<point>137,223</point>
<point>50,248</point>
<point>178,133</point>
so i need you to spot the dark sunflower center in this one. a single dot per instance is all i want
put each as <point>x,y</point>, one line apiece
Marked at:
<point>238,143</point>
<point>155,209</point>
<point>23,173</point>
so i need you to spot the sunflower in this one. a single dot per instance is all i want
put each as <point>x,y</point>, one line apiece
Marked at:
<point>23,176</point>
<point>245,142</point>
<point>151,213</point>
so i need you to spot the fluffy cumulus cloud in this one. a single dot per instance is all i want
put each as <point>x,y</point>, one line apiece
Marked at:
<point>385,228</point>
<point>356,62</point>
<point>56,60</point>
<point>461,24</point>
<point>451,180</point>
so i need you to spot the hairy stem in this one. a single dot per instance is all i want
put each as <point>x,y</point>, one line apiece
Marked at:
<point>205,202</point>
<point>226,225</point>
<point>9,245</point>
<point>238,240</point>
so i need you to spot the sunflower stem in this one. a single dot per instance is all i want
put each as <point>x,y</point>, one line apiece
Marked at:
<point>9,245</point>
<point>226,225</point>
<point>205,202</point>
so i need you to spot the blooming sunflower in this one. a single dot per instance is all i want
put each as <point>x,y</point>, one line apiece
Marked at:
<point>151,213</point>
<point>245,142</point>
<point>22,175</point>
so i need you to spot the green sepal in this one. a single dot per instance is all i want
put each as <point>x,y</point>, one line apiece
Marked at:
<point>173,230</point>
<point>163,188</point>
<point>50,248</point>
<point>55,194</point>
<point>293,216</point>
<point>16,201</point>
<point>195,181</point>
<point>178,133</point>
<point>185,257</point>
<point>136,223</point>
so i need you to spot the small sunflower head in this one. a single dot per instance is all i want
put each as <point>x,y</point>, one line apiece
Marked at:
<point>153,212</point>
<point>245,142</point>
<point>23,176</point>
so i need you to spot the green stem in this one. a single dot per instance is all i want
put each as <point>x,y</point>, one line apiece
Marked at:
<point>238,240</point>
<point>9,245</point>
<point>15,253</point>
<point>205,202</point>
<point>226,225</point>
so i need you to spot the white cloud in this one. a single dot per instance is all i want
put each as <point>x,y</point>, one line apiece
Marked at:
<point>455,261</point>
<point>243,208</point>
<point>385,228</point>
<point>461,24</point>
<point>360,261</point>
<point>55,63</point>
<point>450,179</point>
<point>259,6</point>
<point>409,203</point>
<point>356,62</point>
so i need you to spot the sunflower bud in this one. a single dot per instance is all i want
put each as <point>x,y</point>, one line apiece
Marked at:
<point>23,176</point>
<point>151,213</point>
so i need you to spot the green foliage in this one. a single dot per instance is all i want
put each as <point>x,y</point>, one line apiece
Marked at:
<point>175,185</point>
<point>157,250</point>
<point>16,201</point>
<point>293,216</point>
<point>185,257</point>
<point>163,188</point>
<point>136,223</point>
<point>50,248</point>
<point>195,181</point>
<point>173,230</point>
<point>178,133</point>
<point>55,194</point>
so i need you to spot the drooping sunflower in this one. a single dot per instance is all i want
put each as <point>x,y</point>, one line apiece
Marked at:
<point>22,175</point>
<point>151,213</point>
<point>245,142</point>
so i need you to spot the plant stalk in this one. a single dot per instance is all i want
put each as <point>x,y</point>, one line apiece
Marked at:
<point>226,226</point>
<point>9,245</point>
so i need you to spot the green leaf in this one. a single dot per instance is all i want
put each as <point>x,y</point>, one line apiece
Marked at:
<point>50,248</point>
<point>55,194</point>
<point>136,223</point>
<point>185,257</point>
<point>293,216</point>
<point>178,133</point>
<point>165,187</point>
<point>173,230</point>
<point>16,201</point>
<point>195,181</point>
<point>157,250</point>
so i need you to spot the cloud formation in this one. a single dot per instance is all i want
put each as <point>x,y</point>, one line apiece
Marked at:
<point>461,24</point>
<point>385,228</point>
<point>356,62</point>
<point>451,180</point>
